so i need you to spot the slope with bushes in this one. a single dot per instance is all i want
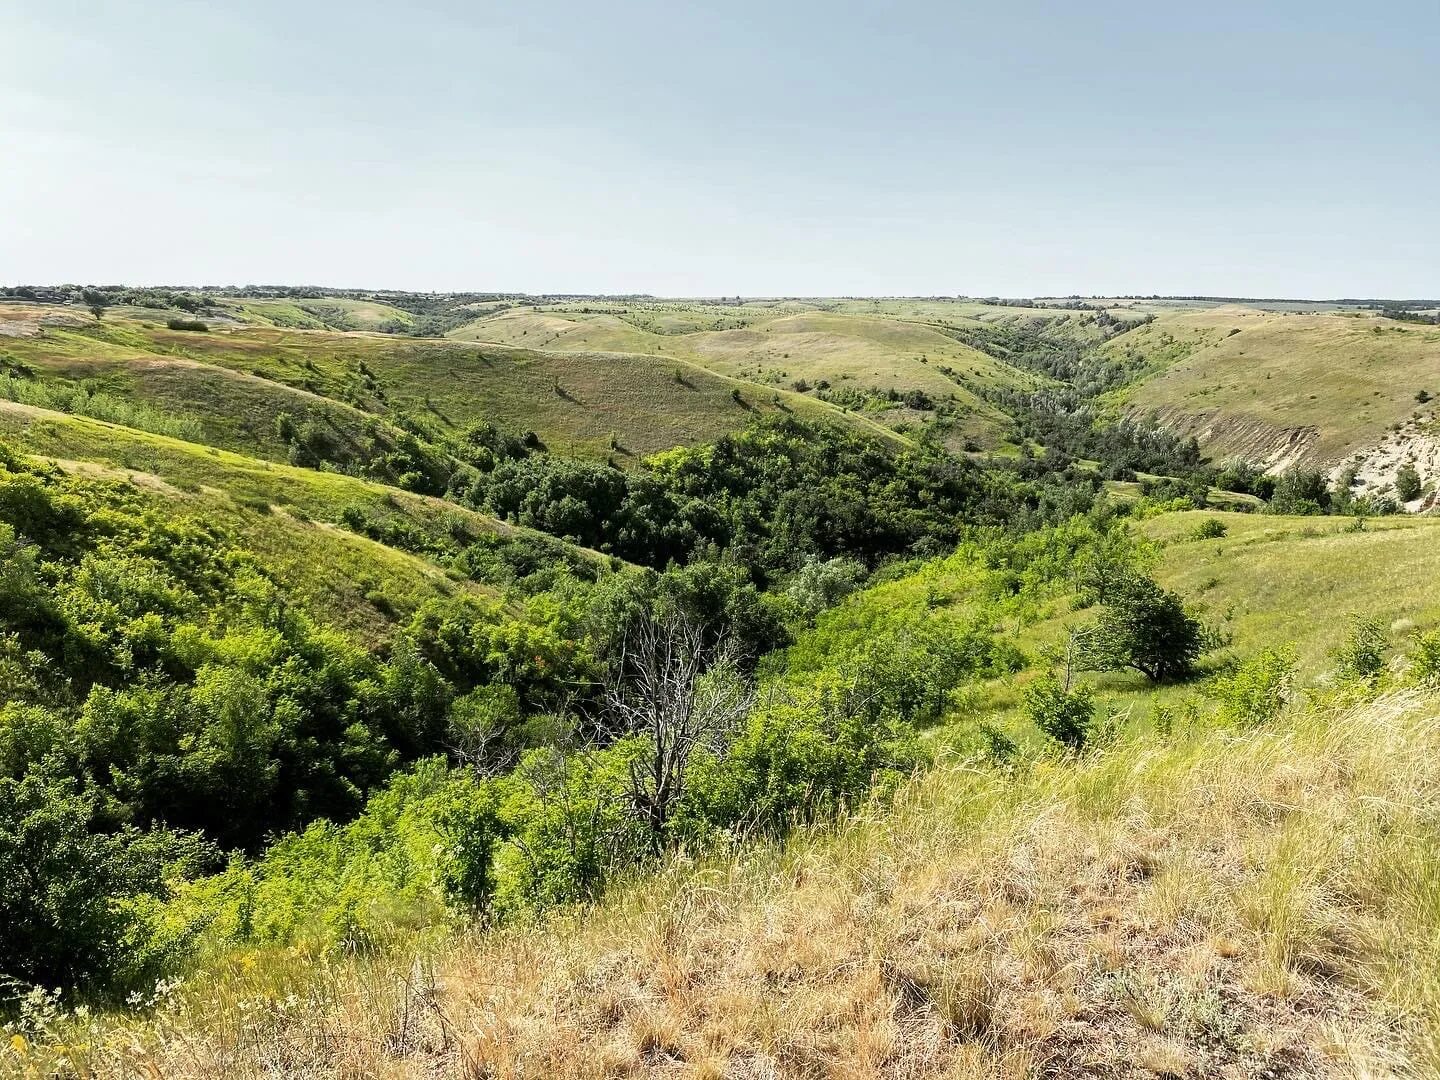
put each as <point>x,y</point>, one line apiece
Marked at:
<point>1220,902</point>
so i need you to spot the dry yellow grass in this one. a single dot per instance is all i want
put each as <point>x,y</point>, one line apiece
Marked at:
<point>1219,905</point>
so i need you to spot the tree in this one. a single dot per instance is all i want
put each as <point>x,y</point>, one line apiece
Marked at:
<point>68,893</point>
<point>96,302</point>
<point>1407,482</point>
<point>1300,491</point>
<point>1144,627</point>
<point>677,695</point>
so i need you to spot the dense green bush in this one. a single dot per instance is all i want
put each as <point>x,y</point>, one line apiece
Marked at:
<point>420,853</point>
<point>1300,491</point>
<point>1065,713</point>
<point>1425,659</point>
<point>1258,690</point>
<point>1361,658</point>
<point>1407,483</point>
<point>1210,529</point>
<point>80,905</point>
<point>795,763</point>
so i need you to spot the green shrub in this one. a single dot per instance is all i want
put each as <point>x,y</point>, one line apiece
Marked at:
<point>796,763</point>
<point>1300,491</point>
<point>1425,660</point>
<point>820,585</point>
<point>194,325</point>
<point>569,827</point>
<point>419,854</point>
<point>1065,714</point>
<point>98,405</point>
<point>1407,483</point>
<point>1209,529</point>
<point>1362,657</point>
<point>1257,690</point>
<point>81,907</point>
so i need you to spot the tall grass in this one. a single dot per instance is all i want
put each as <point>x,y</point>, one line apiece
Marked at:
<point>1213,904</point>
<point>99,405</point>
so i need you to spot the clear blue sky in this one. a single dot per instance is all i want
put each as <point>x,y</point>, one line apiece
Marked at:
<point>1265,149</point>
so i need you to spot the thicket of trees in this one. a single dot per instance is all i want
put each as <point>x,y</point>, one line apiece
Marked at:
<point>166,710</point>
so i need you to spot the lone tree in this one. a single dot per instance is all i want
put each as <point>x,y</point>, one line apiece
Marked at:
<point>1407,483</point>
<point>95,302</point>
<point>1144,627</point>
<point>677,695</point>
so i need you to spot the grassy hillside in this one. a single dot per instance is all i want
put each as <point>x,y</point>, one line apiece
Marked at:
<point>1269,581</point>
<point>1217,905</point>
<point>330,313</point>
<point>864,355</point>
<point>235,380</point>
<point>290,516</point>
<point>1281,388</point>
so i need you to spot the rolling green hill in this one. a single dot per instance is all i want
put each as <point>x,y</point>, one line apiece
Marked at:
<point>294,518</point>
<point>234,381</point>
<point>1280,388</point>
<point>862,356</point>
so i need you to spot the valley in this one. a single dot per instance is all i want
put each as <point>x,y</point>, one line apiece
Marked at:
<point>448,679</point>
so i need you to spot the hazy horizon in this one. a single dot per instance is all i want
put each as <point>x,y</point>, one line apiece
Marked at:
<point>710,150</point>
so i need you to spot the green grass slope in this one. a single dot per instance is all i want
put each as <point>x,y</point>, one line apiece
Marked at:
<point>290,516</point>
<point>1281,388</point>
<point>234,380</point>
<point>1216,904</point>
<point>1270,581</point>
<point>804,344</point>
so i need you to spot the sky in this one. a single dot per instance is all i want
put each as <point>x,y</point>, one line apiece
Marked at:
<point>1264,149</point>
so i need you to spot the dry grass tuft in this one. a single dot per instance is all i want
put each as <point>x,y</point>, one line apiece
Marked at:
<point>1265,905</point>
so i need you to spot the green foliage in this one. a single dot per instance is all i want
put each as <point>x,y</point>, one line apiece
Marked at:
<point>1425,659</point>
<point>798,762</point>
<point>1144,627</point>
<point>820,585</point>
<point>420,853</point>
<point>192,694</point>
<point>1065,714</point>
<point>1209,529</point>
<point>1258,690</point>
<point>99,405</point>
<point>1300,491</point>
<point>569,827</point>
<point>1361,659</point>
<point>779,493</point>
<point>81,907</point>
<point>1407,483</point>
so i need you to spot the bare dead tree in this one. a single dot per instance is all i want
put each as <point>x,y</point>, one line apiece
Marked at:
<point>678,695</point>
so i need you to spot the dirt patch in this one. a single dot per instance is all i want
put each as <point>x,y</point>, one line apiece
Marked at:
<point>1224,435</point>
<point>1417,443</point>
<point>27,320</point>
